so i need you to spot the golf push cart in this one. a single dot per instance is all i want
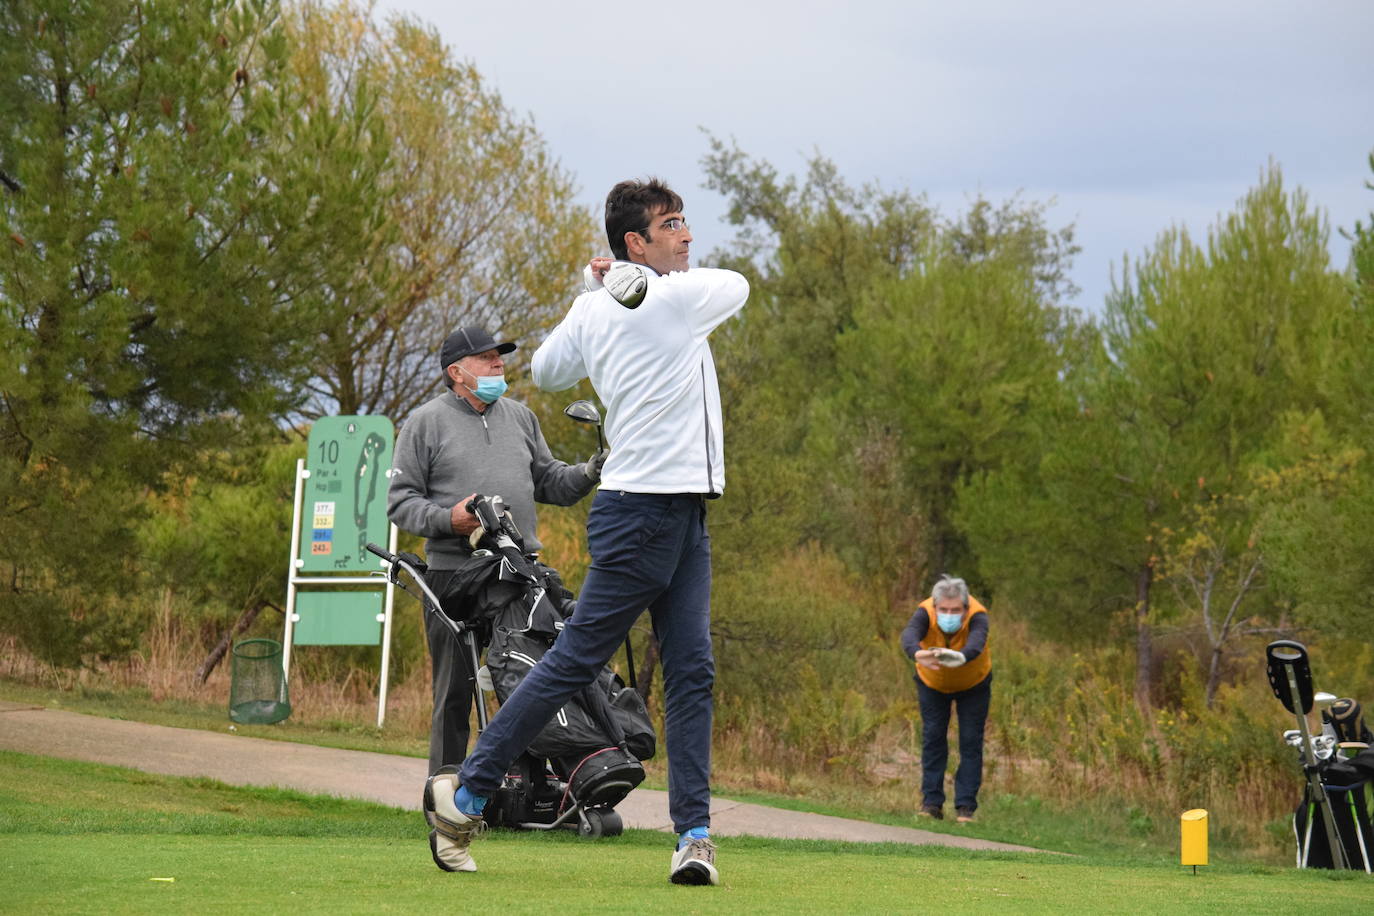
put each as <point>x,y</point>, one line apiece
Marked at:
<point>504,601</point>
<point>1331,824</point>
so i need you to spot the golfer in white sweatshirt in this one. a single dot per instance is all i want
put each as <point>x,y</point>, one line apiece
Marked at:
<point>651,367</point>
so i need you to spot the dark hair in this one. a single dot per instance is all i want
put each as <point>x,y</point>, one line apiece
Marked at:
<point>629,207</point>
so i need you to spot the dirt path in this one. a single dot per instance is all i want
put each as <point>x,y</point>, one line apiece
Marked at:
<point>384,778</point>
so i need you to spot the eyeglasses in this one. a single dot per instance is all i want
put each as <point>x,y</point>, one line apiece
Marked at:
<point>676,224</point>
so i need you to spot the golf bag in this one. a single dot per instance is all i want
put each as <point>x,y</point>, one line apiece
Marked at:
<point>593,745</point>
<point>1331,825</point>
<point>586,759</point>
<point>1349,793</point>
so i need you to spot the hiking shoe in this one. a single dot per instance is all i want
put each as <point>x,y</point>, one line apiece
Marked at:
<point>695,863</point>
<point>965,815</point>
<point>453,830</point>
<point>935,811</point>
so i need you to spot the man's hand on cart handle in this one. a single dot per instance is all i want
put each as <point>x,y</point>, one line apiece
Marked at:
<point>463,521</point>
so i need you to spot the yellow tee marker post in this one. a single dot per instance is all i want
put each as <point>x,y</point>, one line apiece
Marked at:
<point>1193,840</point>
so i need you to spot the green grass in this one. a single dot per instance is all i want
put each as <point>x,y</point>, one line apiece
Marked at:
<point>1107,829</point>
<point>1103,827</point>
<point>80,838</point>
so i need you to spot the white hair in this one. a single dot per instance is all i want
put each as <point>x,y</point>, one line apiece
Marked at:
<point>950,587</point>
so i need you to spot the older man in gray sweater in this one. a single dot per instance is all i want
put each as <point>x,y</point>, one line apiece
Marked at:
<point>468,440</point>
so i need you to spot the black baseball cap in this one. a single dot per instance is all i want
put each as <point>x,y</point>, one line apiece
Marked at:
<point>467,341</point>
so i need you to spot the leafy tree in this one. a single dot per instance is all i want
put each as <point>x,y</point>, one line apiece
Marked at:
<point>1215,568</point>
<point>1314,527</point>
<point>221,539</point>
<point>946,374</point>
<point>1346,373</point>
<point>1362,255</point>
<point>487,229</point>
<point>178,221</point>
<point>1318,536</point>
<point>809,248</point>
<point>1204,349</point>
<point>867,318</point>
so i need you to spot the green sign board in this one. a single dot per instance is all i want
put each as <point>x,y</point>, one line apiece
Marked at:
<point>344,505</point>
<point>338,619</point>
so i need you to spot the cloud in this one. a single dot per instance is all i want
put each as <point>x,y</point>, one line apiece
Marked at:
<point>1134,115</point>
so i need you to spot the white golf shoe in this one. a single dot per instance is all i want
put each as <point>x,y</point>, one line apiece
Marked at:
<point>695,863</point>
<point>453,830</point>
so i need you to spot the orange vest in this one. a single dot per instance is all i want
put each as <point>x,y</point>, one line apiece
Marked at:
<point>953,680</point>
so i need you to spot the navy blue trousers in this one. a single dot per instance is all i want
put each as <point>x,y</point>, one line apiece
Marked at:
<point>972,706</point>
<point>648,551</point>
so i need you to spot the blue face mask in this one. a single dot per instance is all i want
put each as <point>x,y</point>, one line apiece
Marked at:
<point>489,388</point>
<point>949,623</point>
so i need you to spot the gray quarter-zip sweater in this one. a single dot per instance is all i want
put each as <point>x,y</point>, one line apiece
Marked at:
<point>446,450</point>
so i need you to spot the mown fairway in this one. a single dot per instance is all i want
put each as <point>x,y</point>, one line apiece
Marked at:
<point>80,838</point>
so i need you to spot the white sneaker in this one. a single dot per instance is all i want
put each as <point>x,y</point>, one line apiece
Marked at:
<point>453,830</point>
<point>695,863</point>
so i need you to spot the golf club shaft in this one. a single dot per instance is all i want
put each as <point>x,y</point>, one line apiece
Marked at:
<point>1359,834</point>
<point>478,697</point>
<point>1314,781</point>
<point>1307,833</point>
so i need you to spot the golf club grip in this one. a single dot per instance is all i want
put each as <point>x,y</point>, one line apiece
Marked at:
<point>385,555</point>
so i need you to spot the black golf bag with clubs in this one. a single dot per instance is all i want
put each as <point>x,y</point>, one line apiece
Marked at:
<point>587,758</point>
<point>1331,824</point>
<point>594,744</point>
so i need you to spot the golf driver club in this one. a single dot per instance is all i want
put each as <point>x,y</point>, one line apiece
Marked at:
<point>585,412</point>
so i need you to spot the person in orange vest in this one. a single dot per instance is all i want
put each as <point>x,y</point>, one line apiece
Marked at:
<point>953,668</point>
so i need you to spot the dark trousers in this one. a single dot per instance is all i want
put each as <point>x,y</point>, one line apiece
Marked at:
<point>451,681</point>
<point>648,551</point>
<point>972,706</point>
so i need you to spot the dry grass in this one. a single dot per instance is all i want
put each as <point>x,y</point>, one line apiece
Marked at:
<point>323,691</point>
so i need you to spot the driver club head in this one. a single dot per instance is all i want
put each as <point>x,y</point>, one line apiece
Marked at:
<point>583,412</point>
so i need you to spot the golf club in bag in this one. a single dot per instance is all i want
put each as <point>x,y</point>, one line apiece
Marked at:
<point>1331,824</point>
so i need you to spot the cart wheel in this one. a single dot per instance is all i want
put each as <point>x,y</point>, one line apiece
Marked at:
<point>611,824</point>
<point>590,825</point>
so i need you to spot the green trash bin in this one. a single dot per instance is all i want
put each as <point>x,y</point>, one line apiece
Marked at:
<point>257,685</point>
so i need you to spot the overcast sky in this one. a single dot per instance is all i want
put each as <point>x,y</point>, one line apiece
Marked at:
<point>1134,116</point>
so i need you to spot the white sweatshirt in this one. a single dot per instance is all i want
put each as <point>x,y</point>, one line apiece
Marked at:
<point>652,368</point>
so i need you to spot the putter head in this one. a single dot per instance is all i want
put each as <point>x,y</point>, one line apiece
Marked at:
<point>583,412</point>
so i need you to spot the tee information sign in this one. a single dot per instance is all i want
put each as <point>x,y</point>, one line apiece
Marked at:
<point>345,493</point>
